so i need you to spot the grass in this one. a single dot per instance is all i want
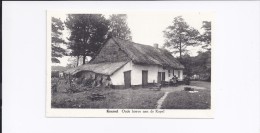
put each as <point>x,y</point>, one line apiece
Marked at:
<point>132,98</point>
<point>114,98</point>
<point>186,100</point>
<point>201,84</point>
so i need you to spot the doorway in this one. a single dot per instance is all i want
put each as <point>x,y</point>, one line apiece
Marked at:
<point>159,77</point>
<point>127,79</point>
<point>144,77</point>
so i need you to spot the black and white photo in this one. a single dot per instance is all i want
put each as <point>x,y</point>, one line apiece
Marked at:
<point>127,62</point>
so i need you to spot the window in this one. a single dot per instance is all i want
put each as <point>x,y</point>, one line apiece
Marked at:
<point>173,72</point>
<point>179,74</point>
<point>169,73</point>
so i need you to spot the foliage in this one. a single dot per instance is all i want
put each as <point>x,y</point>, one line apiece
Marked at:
<point>180,35</point>
<point>187,61</point>
<point>54,60</point>
<point>87,33</point>
<point>56,39</point>
<point>200,64</point>
<point>75,61</point>
<point>118,27</point>
<point>206,36</point>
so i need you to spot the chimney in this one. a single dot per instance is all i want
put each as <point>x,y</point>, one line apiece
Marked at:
<point>155,45</point>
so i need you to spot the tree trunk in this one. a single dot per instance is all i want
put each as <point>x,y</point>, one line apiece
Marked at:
<point>84,58</point>
<point>77,60</point>
<point>180,50</point>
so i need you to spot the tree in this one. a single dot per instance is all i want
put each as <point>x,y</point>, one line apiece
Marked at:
<point>56,39</point>
<point>118,27</point>
<point>75,50</point>
<point>199,65</point>
<point>72,62</point>
<point>87,34</point>
<point>187,61</point>
<point>180,35</point>
<point>206,36</point>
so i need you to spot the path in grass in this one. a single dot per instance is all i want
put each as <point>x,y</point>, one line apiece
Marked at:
<point>168,90</point>
<point>160,101</point>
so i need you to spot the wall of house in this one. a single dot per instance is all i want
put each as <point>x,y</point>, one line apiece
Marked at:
<point>118,77</point>
<point>136,73</point>
<point>152,73</point>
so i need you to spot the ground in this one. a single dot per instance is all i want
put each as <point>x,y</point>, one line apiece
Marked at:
<point>201,84</point>
<point>139,98</point>
<point>114,98</point>
<point>180,99</point>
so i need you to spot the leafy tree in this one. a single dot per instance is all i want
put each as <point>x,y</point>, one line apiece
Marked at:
<point>187,61</point>
<point>72,62</point>
<point>180,35</point>
<point>118,27</point>
<point>203,62</point>
<point>206,36</point>
<point>200,64</point>
<point>87,34</point>
<point>75,50</point>
<point>56,39</point>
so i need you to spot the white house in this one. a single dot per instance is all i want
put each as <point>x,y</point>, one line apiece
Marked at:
<point>129,64</point>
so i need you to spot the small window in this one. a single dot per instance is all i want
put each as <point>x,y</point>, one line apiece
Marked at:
<point>173,72</point>
<point>179,74</point>
<point>169,73</point>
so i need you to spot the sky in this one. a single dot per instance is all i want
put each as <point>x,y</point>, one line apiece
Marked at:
<point>148,28</point>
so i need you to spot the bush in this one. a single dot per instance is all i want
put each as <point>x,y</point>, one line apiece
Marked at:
<point>87,82</point>
<point>188,89</point>
<point>55,74</point>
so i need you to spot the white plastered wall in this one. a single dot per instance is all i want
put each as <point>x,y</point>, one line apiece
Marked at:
<point>136,73</point>
<point>118,77</point>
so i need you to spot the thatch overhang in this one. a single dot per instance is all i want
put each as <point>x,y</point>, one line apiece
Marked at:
<point>105,68</point>
<point>145,54</point>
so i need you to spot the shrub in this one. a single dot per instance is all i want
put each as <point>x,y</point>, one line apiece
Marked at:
<point>188,89</point>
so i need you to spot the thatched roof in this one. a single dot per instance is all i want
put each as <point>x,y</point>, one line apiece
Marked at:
<point>145,54</point>
<point>106,68</point>
<point>138,53</point>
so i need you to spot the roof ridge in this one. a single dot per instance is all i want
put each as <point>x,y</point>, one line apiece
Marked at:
<point>135,43</point>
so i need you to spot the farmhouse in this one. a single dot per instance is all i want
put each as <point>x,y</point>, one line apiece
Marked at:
<point>128,64</point>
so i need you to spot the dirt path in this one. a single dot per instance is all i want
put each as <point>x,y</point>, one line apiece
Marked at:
<point>160,101</point>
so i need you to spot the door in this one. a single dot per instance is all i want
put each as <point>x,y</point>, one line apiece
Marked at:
<point>163,76</point>
<point>144,77</point>
<point>159,77</point>
<point>127,79</point>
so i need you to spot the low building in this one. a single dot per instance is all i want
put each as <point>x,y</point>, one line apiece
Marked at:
<point>127,64</point>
